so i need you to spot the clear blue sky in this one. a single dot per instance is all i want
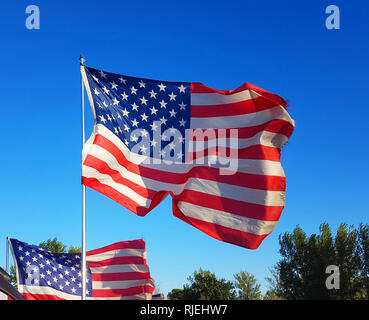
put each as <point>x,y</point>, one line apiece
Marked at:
<point>281,46</point>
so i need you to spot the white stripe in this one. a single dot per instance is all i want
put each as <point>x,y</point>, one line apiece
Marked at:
<point>264,138</point>
<point>120,268</point>
<point>262,197</point>
<point>108,285</point>
<point>105,179</point>
<point>206,99</point>
<point>243,120</point>
<point>254,226</point>
<point>142,296</point>
<point>50,291</point>
<point>116,253</point>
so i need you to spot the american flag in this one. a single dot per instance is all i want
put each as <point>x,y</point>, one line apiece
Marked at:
<point>118,271</point>
<point>216,152</point>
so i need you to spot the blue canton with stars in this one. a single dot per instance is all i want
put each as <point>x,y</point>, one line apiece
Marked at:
<point>38,267</point>
<point>149,116</point>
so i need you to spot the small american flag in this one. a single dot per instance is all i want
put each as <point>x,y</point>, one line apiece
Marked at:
<point>117,271</point>
<point>216,152</point>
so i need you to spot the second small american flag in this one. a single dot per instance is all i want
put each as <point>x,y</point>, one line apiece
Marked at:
<point>216,152</point>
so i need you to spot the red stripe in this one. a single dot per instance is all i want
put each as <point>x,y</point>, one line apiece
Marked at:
<point>115,195</point>
<point>232,109</point>
<point>262,182</point>
<point>103,168</point>
<point>241,208</point>
<point>275,126</point>
<point>117,261</point>
<point>31,296</point>
<point>243,239</point>
<point>122,276</point>
<point>131,244</point>
<point>101,293</point>
<point>197,87</point>
<point>258,152</point>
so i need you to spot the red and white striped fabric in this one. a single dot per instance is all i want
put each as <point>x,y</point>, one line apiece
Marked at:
<point>240,207</point>
<point>119,272</point>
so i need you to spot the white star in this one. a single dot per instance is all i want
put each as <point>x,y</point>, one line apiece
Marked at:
<point>134,106</point>
<point>125,112</point>
<point>144,117</point>
<point>124,96</point>
<point>95,78</point>
<point>180,155</point>
<point>114,85</point>
<point>105,104</point>
<point>122,80</point>
<point>172,96</point>
<point>134,138</point>
<point>162,87</point>
<point>142,84</point>
<point>144,133</point>
<point>182,88</point>
<point>153,142</point>
<point>143,149</point>
<point>182,106</point>
<point>102,119</point>
<point>126,141</point>
<point>74,290</point>
<point>182,122</point>
<point>153,126</point>
<point>163,120</point>
<point>126,128</point>
<point>116,130</point>
<point>99,105</point>
<point>181,139</point>
<point>133,90</point>
<point>172,113</point>
<point>163,104</point>
<point>106,90</point>
<point>110,119</point>
<point>153,94</point>
<point>143,100</point>
<point>115,100</point>
<point>171,145</point>
<point>135,122</point>
<point>153,110</point>
<point>96,92</point>
<point>102,74</point>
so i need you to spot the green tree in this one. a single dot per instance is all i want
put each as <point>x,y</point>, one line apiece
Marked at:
<point>274,291</point>
<point>175,294</point>
<point>363,243</point>
<point>204,285</point>
<point>246,286</point>
<point>301,271</point>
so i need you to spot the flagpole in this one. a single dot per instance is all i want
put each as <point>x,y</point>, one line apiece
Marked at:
<point>7,255</point>
<point>83,267</point>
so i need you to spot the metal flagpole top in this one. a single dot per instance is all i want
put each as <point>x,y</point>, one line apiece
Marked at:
<point>81,59</point>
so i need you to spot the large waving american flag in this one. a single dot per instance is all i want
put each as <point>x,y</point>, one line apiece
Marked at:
<point>115,272</point>
<point>216,152</point>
